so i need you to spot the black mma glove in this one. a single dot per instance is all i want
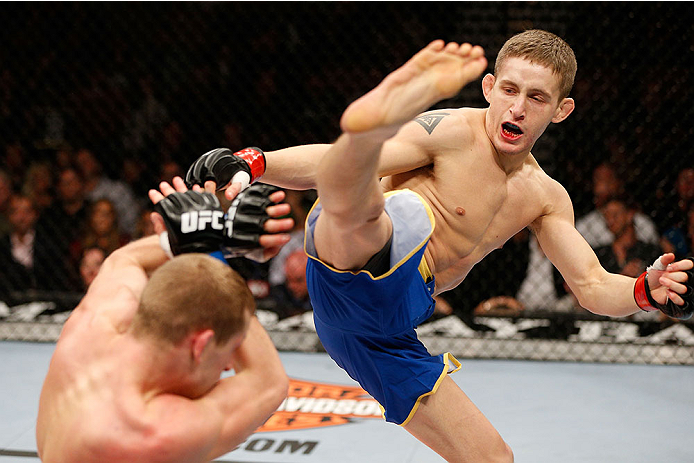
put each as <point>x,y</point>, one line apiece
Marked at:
<point>245,219</point>
<point>224,166</point>
<point>194,223</point>
<point>642,295</point>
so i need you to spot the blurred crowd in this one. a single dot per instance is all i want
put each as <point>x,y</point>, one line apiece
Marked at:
<point>62,216</point>
<point>127,96</point>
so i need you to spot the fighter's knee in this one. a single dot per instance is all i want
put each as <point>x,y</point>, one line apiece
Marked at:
<point>346,215</point>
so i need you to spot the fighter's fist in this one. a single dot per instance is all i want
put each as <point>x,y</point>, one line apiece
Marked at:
<point>223,167</point>
<point>669,282</point>
<point>194,222</point>
<point>245,220</point>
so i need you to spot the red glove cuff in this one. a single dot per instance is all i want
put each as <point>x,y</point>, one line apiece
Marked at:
<point>641,293</point>
<point>255,158</point>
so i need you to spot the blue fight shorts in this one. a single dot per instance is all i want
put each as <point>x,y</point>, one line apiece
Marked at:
<point>366,323</point>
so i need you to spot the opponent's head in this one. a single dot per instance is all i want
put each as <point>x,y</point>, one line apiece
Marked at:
<point>196,303</point>
<point>533,75</point>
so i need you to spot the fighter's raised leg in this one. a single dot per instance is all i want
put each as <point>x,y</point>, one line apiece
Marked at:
<point>353,226</point>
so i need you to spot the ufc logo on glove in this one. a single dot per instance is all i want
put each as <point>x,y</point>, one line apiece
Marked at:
<point>198,220</point>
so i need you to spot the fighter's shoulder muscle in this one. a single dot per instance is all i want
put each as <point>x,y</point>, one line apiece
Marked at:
<point>433,130</point>
<point>554,199</point>
<point>439,123</point>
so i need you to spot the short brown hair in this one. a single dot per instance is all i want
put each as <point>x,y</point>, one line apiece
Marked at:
<point>193,292</point>
<point>544,48</point>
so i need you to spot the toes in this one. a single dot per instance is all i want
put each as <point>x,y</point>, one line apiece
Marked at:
<point>451,47</point>
<point>436,45</point>
<point>476,52</point>
<point>465,49</point>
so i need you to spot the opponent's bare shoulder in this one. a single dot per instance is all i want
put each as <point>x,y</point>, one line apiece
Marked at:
<point>112,298</point>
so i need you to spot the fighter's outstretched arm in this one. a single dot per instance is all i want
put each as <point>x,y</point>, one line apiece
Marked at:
<point>596,289</point>
<point>295,167</point>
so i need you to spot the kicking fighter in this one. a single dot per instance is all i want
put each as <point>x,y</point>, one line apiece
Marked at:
<point>135,375</point>
<point>455,185</point>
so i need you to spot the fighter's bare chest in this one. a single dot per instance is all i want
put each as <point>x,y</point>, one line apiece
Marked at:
<point>480,214</point>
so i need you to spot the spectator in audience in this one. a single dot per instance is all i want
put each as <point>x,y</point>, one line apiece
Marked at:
<point>97,186</point>
<point>169,170</point>
<point>136,174</point>
<point>64,157</point>
<point>57,227</point>
<point>91,261</point>
<point>101,230</point>
<point>680,239</point>
<point>593,227</point>
<point>17,248</point>
<point>476,289</point>
<point>300,203</point>
<point>291,297</point>
<point>5,195</point>
<point>626,254</point>
<point>144,226</point>
<point>685,191</point>
<point>14,162</point>
<point>172,144</point>
<point>38,185</point>
<point>543,288</point>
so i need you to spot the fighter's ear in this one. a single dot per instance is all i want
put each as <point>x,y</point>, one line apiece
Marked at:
<point>199,340</point>
<point>487,85</point>
<point>565,108</point>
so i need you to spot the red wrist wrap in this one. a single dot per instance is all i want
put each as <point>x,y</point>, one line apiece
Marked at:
<point>255,158</point>
<point>640,295</point>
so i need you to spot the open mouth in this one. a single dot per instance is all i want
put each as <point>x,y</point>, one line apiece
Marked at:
<point>511,131</point>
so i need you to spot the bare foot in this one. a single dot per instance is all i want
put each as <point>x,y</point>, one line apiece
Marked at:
<point>435,73</point>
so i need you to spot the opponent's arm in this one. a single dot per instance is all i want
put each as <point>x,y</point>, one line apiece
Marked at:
<point>117,288</point>
<point>596,289</point>
<point>202,429</point>
<point>247,399</point>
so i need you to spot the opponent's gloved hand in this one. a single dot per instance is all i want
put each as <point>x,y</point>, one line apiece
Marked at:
<point>194,222</point>
<point>223,166</point>
<point>245,220</point>
<point>642,294</point>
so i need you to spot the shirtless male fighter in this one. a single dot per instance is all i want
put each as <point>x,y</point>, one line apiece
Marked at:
<point>135,376</point>
<point>407,207</point>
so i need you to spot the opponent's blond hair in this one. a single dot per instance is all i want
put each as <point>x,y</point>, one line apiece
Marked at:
<point>193,292</point>
<point>544,48</point>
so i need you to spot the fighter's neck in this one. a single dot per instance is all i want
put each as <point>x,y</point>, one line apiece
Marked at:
<point>153,370</point>
<point>510,163</point>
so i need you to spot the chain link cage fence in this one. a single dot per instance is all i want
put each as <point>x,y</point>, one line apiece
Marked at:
<point>105,99</point>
